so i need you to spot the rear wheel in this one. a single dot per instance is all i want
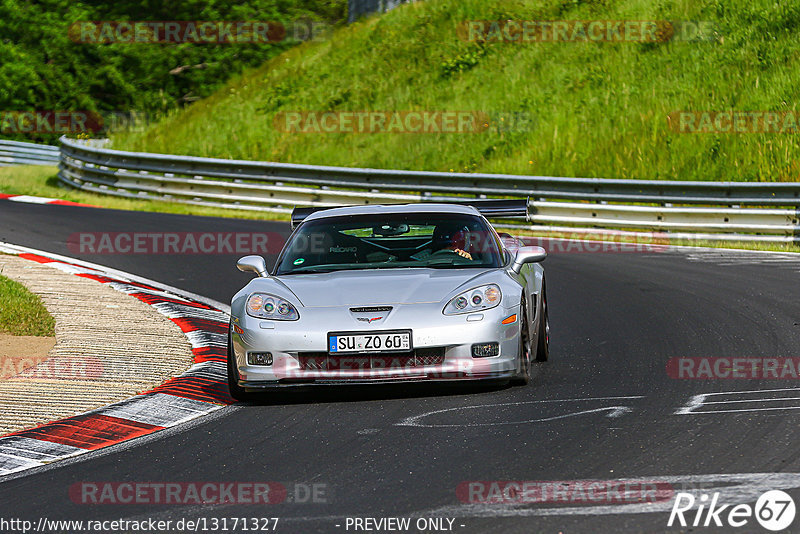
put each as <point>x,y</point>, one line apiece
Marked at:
<point>543,343</point>
<point>523,375</point>
<point>237,392</point>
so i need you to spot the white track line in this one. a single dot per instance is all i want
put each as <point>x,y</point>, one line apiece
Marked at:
<point>616,411</point>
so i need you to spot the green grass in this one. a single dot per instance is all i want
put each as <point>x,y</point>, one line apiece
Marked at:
<point>662,239</point>
<point>21,312</point>
<point>767,247</point>
<point>598,109</point>
<point>41,181</point>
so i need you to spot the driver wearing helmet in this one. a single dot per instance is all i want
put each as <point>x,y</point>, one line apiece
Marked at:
<point>451,237</point>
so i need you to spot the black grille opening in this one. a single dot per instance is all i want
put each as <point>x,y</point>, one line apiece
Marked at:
<point>322,361</point>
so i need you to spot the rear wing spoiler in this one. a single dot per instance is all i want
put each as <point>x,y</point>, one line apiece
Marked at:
<point>499,208</point>
<point>487,208</point>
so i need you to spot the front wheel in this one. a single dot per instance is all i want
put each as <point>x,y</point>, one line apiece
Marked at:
<point>543,343</point>
<point>236,391</point>
<point>523,375</point>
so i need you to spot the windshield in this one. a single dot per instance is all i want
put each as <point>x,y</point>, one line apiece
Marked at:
<point>391,241</point>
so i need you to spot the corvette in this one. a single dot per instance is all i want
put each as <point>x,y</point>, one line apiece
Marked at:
<point>391,293</point>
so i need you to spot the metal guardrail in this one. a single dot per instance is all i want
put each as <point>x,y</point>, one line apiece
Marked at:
<point>554,202</point>
<point>359,8</point>
<point>19,153</point>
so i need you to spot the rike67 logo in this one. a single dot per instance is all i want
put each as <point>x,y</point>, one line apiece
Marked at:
<point>774,510</point>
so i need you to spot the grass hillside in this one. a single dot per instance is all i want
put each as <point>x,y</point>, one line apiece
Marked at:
<point>595,108</point>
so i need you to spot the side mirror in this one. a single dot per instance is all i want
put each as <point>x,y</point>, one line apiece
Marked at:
<point>253,264</point>
<point>528,255</point>
<point>511,243</point>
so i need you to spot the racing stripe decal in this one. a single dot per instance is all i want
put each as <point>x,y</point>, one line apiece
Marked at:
<point>200,390</point>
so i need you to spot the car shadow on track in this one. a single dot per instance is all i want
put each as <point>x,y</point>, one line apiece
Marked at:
<point>362,393</point>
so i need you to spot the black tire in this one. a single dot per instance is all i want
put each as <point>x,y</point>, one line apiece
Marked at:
<point>543,342</point>
<point>236,391</point>
<point>523,375</point>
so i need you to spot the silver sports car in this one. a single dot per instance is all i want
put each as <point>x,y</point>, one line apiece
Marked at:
<point>368,294</point>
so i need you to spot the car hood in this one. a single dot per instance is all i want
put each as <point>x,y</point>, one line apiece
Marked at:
<point>372,287</point>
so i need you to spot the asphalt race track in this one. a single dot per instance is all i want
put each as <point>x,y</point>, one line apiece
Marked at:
<point>603,408</point>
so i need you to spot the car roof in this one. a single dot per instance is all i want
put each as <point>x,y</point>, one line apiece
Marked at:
<point>380,209</point>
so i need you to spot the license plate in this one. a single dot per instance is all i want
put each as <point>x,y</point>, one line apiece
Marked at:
<point>369,342</point>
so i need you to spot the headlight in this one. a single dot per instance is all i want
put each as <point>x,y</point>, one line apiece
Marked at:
<point>478,299</point>
<point>266,306</point>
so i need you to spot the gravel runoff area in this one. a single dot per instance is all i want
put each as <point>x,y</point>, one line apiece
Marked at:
<point>109,346</point>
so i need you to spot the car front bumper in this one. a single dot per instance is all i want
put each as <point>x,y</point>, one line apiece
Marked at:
<point>442,347</point>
